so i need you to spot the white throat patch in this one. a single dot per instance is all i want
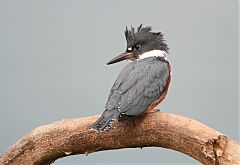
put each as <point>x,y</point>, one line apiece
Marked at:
<point>154,53</point>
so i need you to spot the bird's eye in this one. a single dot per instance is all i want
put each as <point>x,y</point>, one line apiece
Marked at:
<point>137,46</point>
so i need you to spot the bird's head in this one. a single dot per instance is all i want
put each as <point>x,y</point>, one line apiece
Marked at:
<point>142,43</point>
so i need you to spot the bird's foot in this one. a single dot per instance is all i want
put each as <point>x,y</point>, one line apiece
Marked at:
<point>156,110</point>
<point>152,111</point>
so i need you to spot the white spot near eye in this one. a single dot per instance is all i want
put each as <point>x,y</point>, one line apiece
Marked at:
<point>129,49</point>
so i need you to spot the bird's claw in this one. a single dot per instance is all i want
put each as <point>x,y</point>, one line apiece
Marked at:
<point>152,111</point>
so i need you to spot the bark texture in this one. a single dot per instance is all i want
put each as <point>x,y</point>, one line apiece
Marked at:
<point>45,144</point>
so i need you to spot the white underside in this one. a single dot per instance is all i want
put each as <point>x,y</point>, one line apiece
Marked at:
<point>154,53</point>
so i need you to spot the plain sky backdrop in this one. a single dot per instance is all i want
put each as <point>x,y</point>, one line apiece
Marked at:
<point>53,55</point>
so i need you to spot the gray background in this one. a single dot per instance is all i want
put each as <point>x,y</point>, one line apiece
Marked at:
<point>52,56</point>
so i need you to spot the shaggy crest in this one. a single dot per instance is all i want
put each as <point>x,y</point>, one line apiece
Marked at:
<point>141,35</point>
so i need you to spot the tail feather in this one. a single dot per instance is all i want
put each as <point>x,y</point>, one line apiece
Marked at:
<point>106,120</point>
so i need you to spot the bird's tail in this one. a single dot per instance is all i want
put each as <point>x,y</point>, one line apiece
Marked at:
<point>106,120</point>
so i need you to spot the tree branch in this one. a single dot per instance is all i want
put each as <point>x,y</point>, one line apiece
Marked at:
<point>67,137</point>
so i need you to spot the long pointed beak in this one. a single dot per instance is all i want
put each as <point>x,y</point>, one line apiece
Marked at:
<point>121,57</point>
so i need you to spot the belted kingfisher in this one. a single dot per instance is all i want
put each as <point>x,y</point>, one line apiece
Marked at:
<point>143,83</point>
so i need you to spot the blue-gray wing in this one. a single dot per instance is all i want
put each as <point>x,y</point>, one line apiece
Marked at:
<point>138,85</point>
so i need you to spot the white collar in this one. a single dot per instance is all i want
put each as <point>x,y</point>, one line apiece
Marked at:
<point>154,53</point>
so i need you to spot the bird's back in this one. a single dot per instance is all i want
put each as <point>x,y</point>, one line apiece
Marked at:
<point>138,85</point>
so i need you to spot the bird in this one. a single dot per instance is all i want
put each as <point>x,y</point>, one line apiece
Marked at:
<point>143,83</point>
